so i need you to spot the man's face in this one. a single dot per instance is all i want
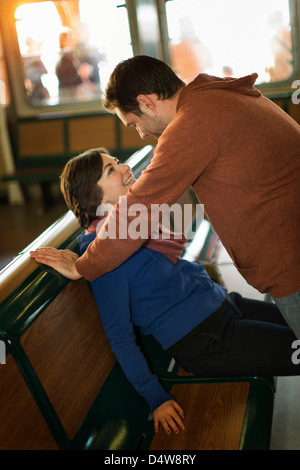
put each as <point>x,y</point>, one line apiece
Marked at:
<point>147,124</point>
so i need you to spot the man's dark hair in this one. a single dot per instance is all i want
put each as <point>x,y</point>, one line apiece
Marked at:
<point>139,75</point>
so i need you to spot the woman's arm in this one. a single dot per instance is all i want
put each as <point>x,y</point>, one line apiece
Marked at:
<point>111,293</point>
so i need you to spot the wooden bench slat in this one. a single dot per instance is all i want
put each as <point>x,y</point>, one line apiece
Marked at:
<point>214,416</point>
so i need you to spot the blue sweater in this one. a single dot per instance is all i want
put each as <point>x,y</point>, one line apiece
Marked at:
<point>163,299</point>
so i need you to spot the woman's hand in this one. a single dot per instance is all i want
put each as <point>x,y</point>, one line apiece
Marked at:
<point>62,261</point>
<point>170,415</point>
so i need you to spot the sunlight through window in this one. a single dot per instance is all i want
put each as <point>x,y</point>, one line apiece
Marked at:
<point>69,49</point>
<point>230,38</point>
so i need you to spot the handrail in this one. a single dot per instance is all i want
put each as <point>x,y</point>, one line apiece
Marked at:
<point>13,274</point>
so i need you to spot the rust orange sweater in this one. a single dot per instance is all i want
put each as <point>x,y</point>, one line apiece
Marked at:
<point>241,154</point>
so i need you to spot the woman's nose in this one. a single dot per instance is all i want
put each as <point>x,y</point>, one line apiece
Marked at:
<point>125,168</point>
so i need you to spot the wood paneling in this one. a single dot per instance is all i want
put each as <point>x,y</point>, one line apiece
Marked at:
<point>41,138</point>
<point>22,426</point>
<point>92,132</point>
<point>70,353</point>
<point>214,415</point>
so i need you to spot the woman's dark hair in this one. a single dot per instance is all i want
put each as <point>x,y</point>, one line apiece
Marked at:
<point>78,184</point>
<point>139,75</point>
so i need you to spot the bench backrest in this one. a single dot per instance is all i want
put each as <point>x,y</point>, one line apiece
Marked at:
<point>63,359</point>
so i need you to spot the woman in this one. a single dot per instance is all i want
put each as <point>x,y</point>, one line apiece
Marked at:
<point>208,332</point>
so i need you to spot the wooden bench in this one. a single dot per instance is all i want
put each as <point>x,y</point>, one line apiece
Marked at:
<point>43,176</point>
<point>218,417</point>
<point>61,387</point>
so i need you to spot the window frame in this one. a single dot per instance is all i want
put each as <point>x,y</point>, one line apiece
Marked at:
<point>23,107</point>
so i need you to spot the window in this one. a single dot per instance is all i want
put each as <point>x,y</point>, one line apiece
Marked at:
<point>230,38</point>
<point>69,48</point>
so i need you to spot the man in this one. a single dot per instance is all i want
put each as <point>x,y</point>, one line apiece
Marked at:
<point>238,150</point>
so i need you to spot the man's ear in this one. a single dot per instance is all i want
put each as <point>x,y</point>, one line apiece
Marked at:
<point>147,101</point>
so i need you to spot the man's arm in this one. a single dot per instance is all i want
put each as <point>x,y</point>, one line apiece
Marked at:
<point>184,150</point>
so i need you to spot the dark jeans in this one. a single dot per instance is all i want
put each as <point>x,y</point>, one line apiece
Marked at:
<point>252,338</point>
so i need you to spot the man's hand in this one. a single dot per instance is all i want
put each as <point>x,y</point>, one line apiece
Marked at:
<point>62,261</point>
<point>170,415</point>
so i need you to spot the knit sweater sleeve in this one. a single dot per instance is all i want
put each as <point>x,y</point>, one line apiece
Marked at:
<point>183,152</point>
<point>111,293</point>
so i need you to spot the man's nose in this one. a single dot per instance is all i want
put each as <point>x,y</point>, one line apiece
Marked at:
<point>142,134</point>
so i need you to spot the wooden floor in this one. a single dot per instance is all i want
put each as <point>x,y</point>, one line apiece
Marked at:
<point>21,224</point>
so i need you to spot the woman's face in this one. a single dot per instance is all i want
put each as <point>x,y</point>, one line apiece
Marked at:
<point>116,179</point>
